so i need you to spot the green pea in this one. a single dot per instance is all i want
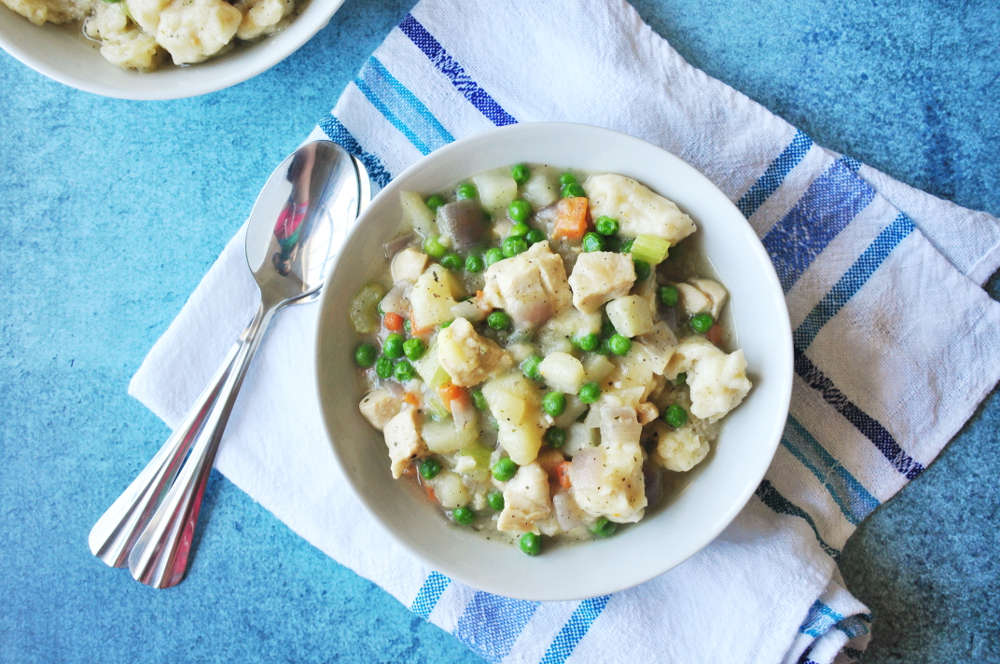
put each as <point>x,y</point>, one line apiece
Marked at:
<point>433,247</point>
<point>512,246</point>
<point>504,469</point>
<point>492,256</point>
<point>668,295</point>
<point>702,323</point>
<point>530,367</point>
<point>495,500</point>
<point>607,329</point>
<point>452,261</point>
<point>445,324</point>
<point>530,543</point>
<point>463,516</point>
<point>555,437</point>
<point>590,392</point>
<point>534,235</point>
<point>519,210</point>
<point>603,348</point>
<point>554,403</point>
<point>407,325</point>
<point>474,263</point>
<point>587,342</point>
<point>365,354</point>
<point>519,229</point>
<point>573,190</point>
<point>404,371</point>
<point>478,400</point>
<point>603,528</point>
<point>641,270</point>
<point>676,416</point>
<point>681,378</point>
<point>393,346</point>
<point>383,367</point>
<point>414,349</point>
<point>520,173</point>
<point>567,178</point>
<point>626,246</point>
<point>498,320</point>
<point>435,201</point>
<point>593,242</point>
<point>466,191</point>
<point>606,225</point>
<point>620,345</point>
<point>429,468</point>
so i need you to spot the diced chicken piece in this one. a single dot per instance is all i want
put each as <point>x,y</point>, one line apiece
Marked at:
<point>402,437</point>
<point>562,372</point>
<point>718,381</point>
<point>432,297</point>
<point>558,333</point>
<point>600,276</point>
<point>638,210</point>
<point>515,403</point>
<point>568,514</point>
<point>715,291</point>
<point>525,500</point>
<point>681,449</point>
<point>660,343</point>
<point>195,30</point>
<point>468,357</point>
<point>630,315</point>
<point>646,412</point>
<point>607,480</point>
<point>408,264</point>
<point>379,407</point>
<point>633,374</point>
<point>531,287</point>
<point>702,296</point>
<point>262,17</point>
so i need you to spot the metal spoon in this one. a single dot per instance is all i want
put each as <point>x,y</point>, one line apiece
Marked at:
<point>292,235</point>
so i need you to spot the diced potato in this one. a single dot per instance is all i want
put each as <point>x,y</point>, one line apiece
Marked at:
<point>443,438</point>
<point>506,407</point>
<point>432,297</point>
<point>496,190</point>
<point>541,189</point>
<point>630,315</point>
<point>408,264</point>
<point>417,214</point>
<point>514,401</point>
<point>522,444</point>
<point>468,357</point>
<point>450,490</point>
<point>563,372</point>
<point>597,368</point>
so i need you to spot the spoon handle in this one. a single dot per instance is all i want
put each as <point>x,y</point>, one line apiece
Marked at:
<point>160,554</point>
<point>112,537</point>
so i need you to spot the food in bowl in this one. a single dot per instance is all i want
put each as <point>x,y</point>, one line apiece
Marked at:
<point>545,352</point>
<point>140,34</point>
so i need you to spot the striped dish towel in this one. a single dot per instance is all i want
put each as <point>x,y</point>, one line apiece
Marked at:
<point>895,341</point>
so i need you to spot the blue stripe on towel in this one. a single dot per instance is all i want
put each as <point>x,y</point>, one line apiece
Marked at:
<point>429,594</point>
<point>401,107</point>
<point>337,133</point>
<point>820,620</point>
<point>778,503</point>
<point>574,630</point>
<point>775,174</point>
<point>491,624</point>
<point>852,281</point>
<point>850,495</point>
<point>448,66</point>
<point>853,627</point>
<point>827,207</point>
<point>862,421</point>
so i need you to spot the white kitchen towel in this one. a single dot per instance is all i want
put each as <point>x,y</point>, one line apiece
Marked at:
<point>895,341</point>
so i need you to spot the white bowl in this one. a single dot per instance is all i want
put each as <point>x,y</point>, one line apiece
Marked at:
<point>716,490</point>
<point>63,54</point>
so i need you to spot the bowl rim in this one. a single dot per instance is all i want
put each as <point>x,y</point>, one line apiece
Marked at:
<point>782,338</point>
<point>229,72</point>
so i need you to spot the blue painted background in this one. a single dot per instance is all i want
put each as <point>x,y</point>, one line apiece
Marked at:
<point>111,211</point>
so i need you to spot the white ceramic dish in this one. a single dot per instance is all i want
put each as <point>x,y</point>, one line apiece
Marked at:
<point>717,489</point>
<point>63,54</point>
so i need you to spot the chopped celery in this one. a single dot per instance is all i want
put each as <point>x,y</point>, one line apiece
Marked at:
<point>650,248</point>
<point>430,370</point>
<point>363,314</point>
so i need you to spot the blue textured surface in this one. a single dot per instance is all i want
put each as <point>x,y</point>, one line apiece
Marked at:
<point>111,211</point>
